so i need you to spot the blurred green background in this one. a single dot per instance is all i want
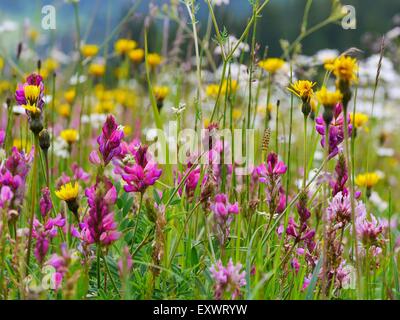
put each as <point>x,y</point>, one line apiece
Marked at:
<point>281,19</point>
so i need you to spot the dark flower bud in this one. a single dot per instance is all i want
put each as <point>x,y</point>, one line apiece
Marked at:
<point>36,125</point>
<point>19,50</point>
<point>44,140</point>
<point>328,115</point>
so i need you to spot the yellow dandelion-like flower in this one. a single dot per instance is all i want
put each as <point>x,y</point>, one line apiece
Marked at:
<point>212,90</point>
<point>69,135</point>
<point>328,98</point>
<point>303,89</point>
<point>31,108</point>
<point>358,119</point>
<point>136,55</point>
<point>4,86</point>
<point>31,93</point>
<point>123,46</point>
<point>64,110</point>
<point>160,92</point>
<point>69,95</point>
<point>127,130</point>
<point>97,69</point>
<point>368,179</point>
<point>106,106</point>
<point>50,64</point>
<point>89,50</point>
<point>68,192</point>
<point>271,65</point>
<point>345,68</point>
<point>1,63</point>
<point>22,145</point>
<point>154,59</point>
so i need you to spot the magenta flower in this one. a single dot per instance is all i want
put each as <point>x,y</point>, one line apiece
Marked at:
<point>336,131</point>
<point>79,173</point>
<point>223,215</point>
<point>43,235</point>
<point>339,209</point>
<point>110,139</point>
<point>99,226</point>
<point>45,202</point>
<point>368,230</point>
<point>142,174</point>
<point>270,174</point>
<point>60,263</point>
<point>228,280</point>
<point>5,196</point>
<point>32,80</point>
<point>13,174</point>
<point>192,180</point>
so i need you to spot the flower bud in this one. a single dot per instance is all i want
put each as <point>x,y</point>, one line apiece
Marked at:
<point>44,140</point>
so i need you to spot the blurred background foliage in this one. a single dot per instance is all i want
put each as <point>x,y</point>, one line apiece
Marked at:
<point>280,20</point>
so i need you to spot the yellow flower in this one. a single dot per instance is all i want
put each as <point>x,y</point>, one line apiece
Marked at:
<point>345,68</point>
<point>303,89</point>
<point>271,65</point>
<point>68,192</point>
<point>328,64</point>
<point>127,130</point>
<point>1,63</point>
<point>213,89</point>
<point>368,179</point>
<point>64,110</point>
<point>154,59</point>
<point>44,72</point>
<point>70,95</point>
<point>4,85</point>
<point>89,50</point>
<point>50,64</point>
<point>69,135</point>
<point>31,93</point>
<point>328,98</point>
<point>160,92</point>
<point>31,108</point>
<point>236,113</point>
<point>136,55</point>
<point>97,69</point>
<point>22,145</point>
<point>123,46</point>
<point>358,120</point>
<point>106,106</point>
<point>33,34</point>
<point>206,122</point>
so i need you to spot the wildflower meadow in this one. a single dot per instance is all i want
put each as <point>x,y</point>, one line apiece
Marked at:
<point>196,164</point>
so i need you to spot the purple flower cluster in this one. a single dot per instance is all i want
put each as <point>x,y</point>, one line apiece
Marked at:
<point>336,130</point>
<point>100,227</point>
<point>270,174</point>
<point>45,202</point>
<point>223,215</point>
<point>228,280</point>
<point>368,230</point>
<point>109,142</point>
<point>43,233</point>
<point>5,196</point>
<point>143,173</point>
<point>13,174</point>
